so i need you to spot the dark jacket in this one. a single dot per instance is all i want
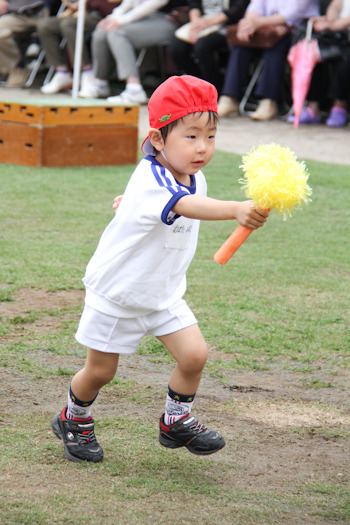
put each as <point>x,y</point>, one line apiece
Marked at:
<point>234,13</point>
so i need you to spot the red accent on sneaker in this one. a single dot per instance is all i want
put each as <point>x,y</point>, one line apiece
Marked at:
<point>166,427</point>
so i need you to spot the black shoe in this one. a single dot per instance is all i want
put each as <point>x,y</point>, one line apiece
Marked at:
<point>78,436</point>
<point>187,432</point>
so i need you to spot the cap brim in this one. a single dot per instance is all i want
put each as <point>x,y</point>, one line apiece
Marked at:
<point>147,148</point>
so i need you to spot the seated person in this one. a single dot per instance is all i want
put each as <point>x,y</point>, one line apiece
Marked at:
<point>51,32</point>
<point>131,26</point>
<point>261,13</point>
<point>16,17</point>
<point>199,56</point>
<point>337,18</point>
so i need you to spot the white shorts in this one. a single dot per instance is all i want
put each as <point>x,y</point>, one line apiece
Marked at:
<point>115,335</point>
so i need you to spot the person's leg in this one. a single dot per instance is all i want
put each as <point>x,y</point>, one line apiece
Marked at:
<point>190,351</point>
<point>99,369</point>
<point>340,89</point>
<point>10,54</point>
<point>271,78</point>
<point>50,35</point>
<point>180,53</point>
<point>154,30</point>
<point>237,75</point>
<point>237,71</point>
<point>68,28</point>
<point>178,427</point>
<point>206,51</point>
<point>102,57</point>
<point>74,425</point>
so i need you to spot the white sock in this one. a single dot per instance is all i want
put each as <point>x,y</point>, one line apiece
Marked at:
<point>177,406</point>
<point>77,409</point>
<point>63,73</point>
<point>100,82</point>
<point>133,87</point>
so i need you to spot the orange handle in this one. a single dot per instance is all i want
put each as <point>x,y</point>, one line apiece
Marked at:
<point>232,244</point>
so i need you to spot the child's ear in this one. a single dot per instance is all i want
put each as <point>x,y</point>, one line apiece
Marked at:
<point>156,139</point>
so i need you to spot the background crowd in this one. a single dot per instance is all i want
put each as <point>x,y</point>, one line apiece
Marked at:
<point>221,41</point>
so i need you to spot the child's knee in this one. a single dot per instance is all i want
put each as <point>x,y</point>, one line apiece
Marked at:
<point>101,375</point>
<point>195,359</point>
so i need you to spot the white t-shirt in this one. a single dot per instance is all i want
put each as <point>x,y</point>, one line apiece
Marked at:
<point>141,260</point>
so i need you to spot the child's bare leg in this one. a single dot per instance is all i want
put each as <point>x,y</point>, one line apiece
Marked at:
<point>99,369</point>
<point>189,349</point>
<point>74,425</point>
<point>178,428</point>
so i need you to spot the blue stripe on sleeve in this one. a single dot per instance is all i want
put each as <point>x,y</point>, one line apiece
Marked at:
<point>167,209</point>
<point>177,191</point>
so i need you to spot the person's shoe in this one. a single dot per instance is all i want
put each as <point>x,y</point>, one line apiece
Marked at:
<point>90,89</point>
<point>227,106</point>
<point>266,110</point>
<point>17,78</point>
<point>307,116</point>
<point>59,82</point>
<point>78,436</point>
<point>127,97</point>
<point>187,432</point>
<point>337,118</point>
<point>33,50</point>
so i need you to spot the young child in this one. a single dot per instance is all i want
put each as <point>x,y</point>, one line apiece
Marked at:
<point>136,279</point>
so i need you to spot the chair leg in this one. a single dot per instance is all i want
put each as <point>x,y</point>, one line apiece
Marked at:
<point>141,57</point>
<point>35,69</point>
<point>243,106</point>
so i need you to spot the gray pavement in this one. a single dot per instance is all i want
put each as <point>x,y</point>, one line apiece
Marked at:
<point>240,134</point>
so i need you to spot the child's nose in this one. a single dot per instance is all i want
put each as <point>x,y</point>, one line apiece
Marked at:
<point>201,146</point>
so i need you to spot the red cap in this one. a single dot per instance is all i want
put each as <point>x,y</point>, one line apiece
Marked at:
<point>175,98</point>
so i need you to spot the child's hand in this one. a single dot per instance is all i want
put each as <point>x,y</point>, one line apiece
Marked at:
<point>116,203</point>
<point>250,216</point>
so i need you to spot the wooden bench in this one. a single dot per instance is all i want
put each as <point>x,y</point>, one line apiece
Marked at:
<point>67,132</point>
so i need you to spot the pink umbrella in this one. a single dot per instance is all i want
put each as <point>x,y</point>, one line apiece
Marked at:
<point>302,58</point>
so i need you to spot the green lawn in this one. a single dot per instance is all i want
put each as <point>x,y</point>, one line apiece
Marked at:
<point>279,306</point>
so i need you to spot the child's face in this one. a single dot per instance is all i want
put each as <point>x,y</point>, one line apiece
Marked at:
<point>189,146</point>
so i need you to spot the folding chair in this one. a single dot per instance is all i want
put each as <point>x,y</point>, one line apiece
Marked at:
<point>40,59</point>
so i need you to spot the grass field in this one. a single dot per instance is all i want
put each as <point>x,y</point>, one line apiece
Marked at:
<point>276,319</point>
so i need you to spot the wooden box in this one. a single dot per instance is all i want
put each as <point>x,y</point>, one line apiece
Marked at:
<point>68,133</point>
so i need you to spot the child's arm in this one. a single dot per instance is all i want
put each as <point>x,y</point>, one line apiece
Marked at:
<point>207,209</point>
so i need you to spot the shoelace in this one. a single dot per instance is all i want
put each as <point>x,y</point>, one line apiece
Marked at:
<point>197,427</point>
<point>86,436</point>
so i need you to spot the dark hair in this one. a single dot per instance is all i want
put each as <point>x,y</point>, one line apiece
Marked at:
<point>212,117</point>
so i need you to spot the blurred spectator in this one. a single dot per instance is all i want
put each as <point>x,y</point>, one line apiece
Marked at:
<point>262,13</point>
<point>51,32</point>
<point>337,18</point>
<point>201,56</point>
<point>133,25</point>
<point>34,46</point>
<point>17,17</point>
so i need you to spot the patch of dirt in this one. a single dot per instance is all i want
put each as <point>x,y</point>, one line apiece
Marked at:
<point>28,301</point>
<point>280,434</point>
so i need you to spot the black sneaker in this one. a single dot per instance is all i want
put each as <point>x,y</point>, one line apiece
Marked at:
<point>187,432</point>
<point>78,436</point>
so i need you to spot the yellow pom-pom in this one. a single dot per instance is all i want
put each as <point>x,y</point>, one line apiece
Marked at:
<point>274,179</point>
